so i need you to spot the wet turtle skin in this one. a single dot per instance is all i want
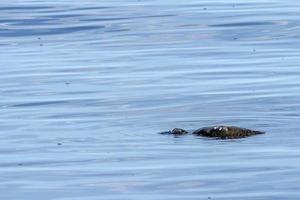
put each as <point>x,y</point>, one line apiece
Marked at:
<point>222,132</point>
<point>176,131</point>
<point>225,132</point>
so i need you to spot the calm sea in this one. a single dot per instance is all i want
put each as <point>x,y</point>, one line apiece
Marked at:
<point>86,86</point>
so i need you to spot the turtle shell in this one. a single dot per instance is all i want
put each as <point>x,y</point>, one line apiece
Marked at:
<point>225,132</point>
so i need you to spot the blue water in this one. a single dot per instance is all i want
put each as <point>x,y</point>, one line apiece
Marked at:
<point>86,86</point>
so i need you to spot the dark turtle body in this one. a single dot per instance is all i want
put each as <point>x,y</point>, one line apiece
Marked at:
<point>222,132</point>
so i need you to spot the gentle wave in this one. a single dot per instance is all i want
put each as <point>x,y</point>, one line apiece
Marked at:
<point>86,87</point>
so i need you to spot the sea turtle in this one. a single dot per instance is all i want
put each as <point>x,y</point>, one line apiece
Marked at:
<point>222,132</point>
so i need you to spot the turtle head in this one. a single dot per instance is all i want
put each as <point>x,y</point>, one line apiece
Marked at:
<point>179,131</point>
<point>176,132</point>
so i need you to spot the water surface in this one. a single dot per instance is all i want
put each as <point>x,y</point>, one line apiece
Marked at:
<point>86,86</point>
